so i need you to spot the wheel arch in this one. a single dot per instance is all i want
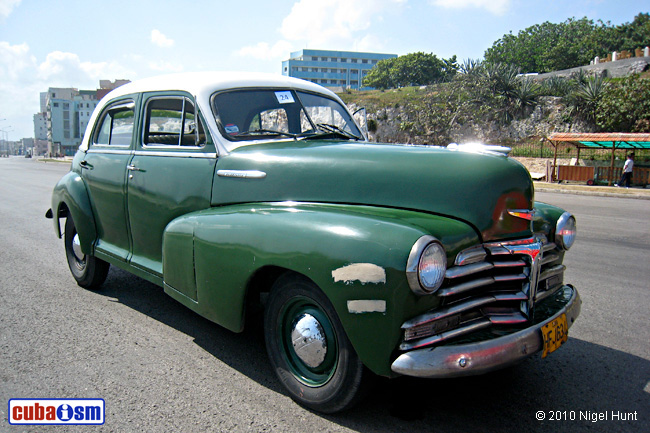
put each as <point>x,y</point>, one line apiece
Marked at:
<point>70,198</point>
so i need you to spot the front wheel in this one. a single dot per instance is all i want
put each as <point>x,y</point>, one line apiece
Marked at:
<point>309,349</point>
<point>89,271</point>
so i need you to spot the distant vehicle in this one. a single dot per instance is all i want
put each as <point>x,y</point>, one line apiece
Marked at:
<point>239,193</point>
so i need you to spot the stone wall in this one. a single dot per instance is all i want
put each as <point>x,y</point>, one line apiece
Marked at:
<point>617,69</point>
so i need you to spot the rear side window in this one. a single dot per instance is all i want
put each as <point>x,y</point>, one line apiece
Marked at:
<point>172,121</point>
<point>116,125</point>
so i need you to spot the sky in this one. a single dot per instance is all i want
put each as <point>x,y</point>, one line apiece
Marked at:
<point>75,43</point>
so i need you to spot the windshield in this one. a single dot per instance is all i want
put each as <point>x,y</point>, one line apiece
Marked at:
<point>257,114</point>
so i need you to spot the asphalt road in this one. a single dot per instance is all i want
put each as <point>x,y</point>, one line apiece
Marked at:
<point>161,368</point>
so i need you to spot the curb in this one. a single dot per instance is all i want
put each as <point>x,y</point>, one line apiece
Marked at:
<point>633,193</point>
<point>48,160</point>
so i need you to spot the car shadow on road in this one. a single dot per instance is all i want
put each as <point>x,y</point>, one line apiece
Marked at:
<point>577,381</point>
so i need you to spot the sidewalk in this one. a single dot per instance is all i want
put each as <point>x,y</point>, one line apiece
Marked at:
<point>603,191</point>
<point>65,159</point>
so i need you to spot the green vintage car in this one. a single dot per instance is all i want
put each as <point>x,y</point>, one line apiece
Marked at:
<point>239,193</point>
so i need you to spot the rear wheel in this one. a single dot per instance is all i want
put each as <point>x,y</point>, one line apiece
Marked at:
<point>309,349</point>
<point>89,271</point>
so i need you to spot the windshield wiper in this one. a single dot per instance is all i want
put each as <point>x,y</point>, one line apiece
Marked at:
<point>266,132</point>
<point>333,129</point>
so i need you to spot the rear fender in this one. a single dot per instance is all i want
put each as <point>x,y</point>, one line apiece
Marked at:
<point>70,194</point>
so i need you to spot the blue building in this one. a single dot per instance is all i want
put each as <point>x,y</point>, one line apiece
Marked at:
<point>341,69</point>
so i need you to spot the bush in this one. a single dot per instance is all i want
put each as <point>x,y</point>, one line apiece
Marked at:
<point>372,125</point>
<point>625,106</point>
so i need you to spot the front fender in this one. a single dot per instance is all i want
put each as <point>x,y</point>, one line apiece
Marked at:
<point>546,217</point>
<point>356,254</point>
<point>70,193</point>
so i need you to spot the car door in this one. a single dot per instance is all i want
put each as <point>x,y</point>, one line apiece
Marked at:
<point>170,173</point>
<point>104,172</point>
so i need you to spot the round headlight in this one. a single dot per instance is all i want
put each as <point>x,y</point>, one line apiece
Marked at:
<point>432,267</point>
<point>565,231</point>
<point>426,266</point>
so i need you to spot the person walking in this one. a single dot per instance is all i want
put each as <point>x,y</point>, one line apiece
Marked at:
<point>626,176</point>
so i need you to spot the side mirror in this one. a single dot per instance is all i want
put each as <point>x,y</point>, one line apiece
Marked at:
<point>361,117</point>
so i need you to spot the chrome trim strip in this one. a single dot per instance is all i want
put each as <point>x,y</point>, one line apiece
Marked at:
<point>499,250</point>
<point>525,214</point>
<point>551,272</point>
<point>470,255</point>
<point>442,313</point>
<point>172,154</point>
<point>242,174</point>
<point>519,296</point>
<point>549,246</point>
<point>482,357</point>
<point>465,287</point>
<point>540,296</point>
<point>511,264</point>
<point>517,277</point>
<point>123,151</point>
<point>549,258</point>
<point>463,271</point>
<point>470,327</point>
<point>170,147</point>
<point>507,319</point>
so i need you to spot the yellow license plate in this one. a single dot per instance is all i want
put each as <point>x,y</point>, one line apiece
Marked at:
<point>555,333</point>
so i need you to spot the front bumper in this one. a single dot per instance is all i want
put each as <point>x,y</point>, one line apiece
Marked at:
<point>478,358</point>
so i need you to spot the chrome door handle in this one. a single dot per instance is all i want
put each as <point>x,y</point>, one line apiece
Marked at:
<point>85,164</point>
<point>133,168</point>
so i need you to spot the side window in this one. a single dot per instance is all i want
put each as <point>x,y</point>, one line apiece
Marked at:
<point>116,125</point>
<point>172,121</point>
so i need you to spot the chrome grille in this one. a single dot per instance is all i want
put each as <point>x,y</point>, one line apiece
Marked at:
<point>494,285</point>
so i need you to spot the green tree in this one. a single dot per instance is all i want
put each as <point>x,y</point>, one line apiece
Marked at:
<point>625,106</point>
<point>415,69</point>
<point>548,47</point>
<point>628,36</point>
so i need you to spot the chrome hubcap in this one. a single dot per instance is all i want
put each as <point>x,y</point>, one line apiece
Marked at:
<point>76,248</point>
<point>309,341</point>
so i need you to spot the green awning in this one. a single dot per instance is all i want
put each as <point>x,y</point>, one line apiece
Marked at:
<point>601,140</point>
<point>604,140</point>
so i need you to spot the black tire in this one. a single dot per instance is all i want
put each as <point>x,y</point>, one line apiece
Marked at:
<point>89,271</point>
<point>326,378</point>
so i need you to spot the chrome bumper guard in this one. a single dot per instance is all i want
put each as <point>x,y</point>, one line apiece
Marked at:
<point>482,357</point>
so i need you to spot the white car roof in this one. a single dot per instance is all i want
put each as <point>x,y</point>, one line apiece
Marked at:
<point>199,83</point>
<point>202,85</point>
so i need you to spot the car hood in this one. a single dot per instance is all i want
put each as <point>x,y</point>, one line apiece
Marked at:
<point>475,188</point>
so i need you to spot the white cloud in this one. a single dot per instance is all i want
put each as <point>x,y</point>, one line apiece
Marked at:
<point>158,38</point>
<point>67,69</point>
<point>7,6</point>
<point>16,60</point>
<point>264,51</point>
<point>331,23</point>
<point>368,43</point>
<point>165,67</point>
<point>23,77</point>
<point>497,7</point>
<point>326,24</point>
